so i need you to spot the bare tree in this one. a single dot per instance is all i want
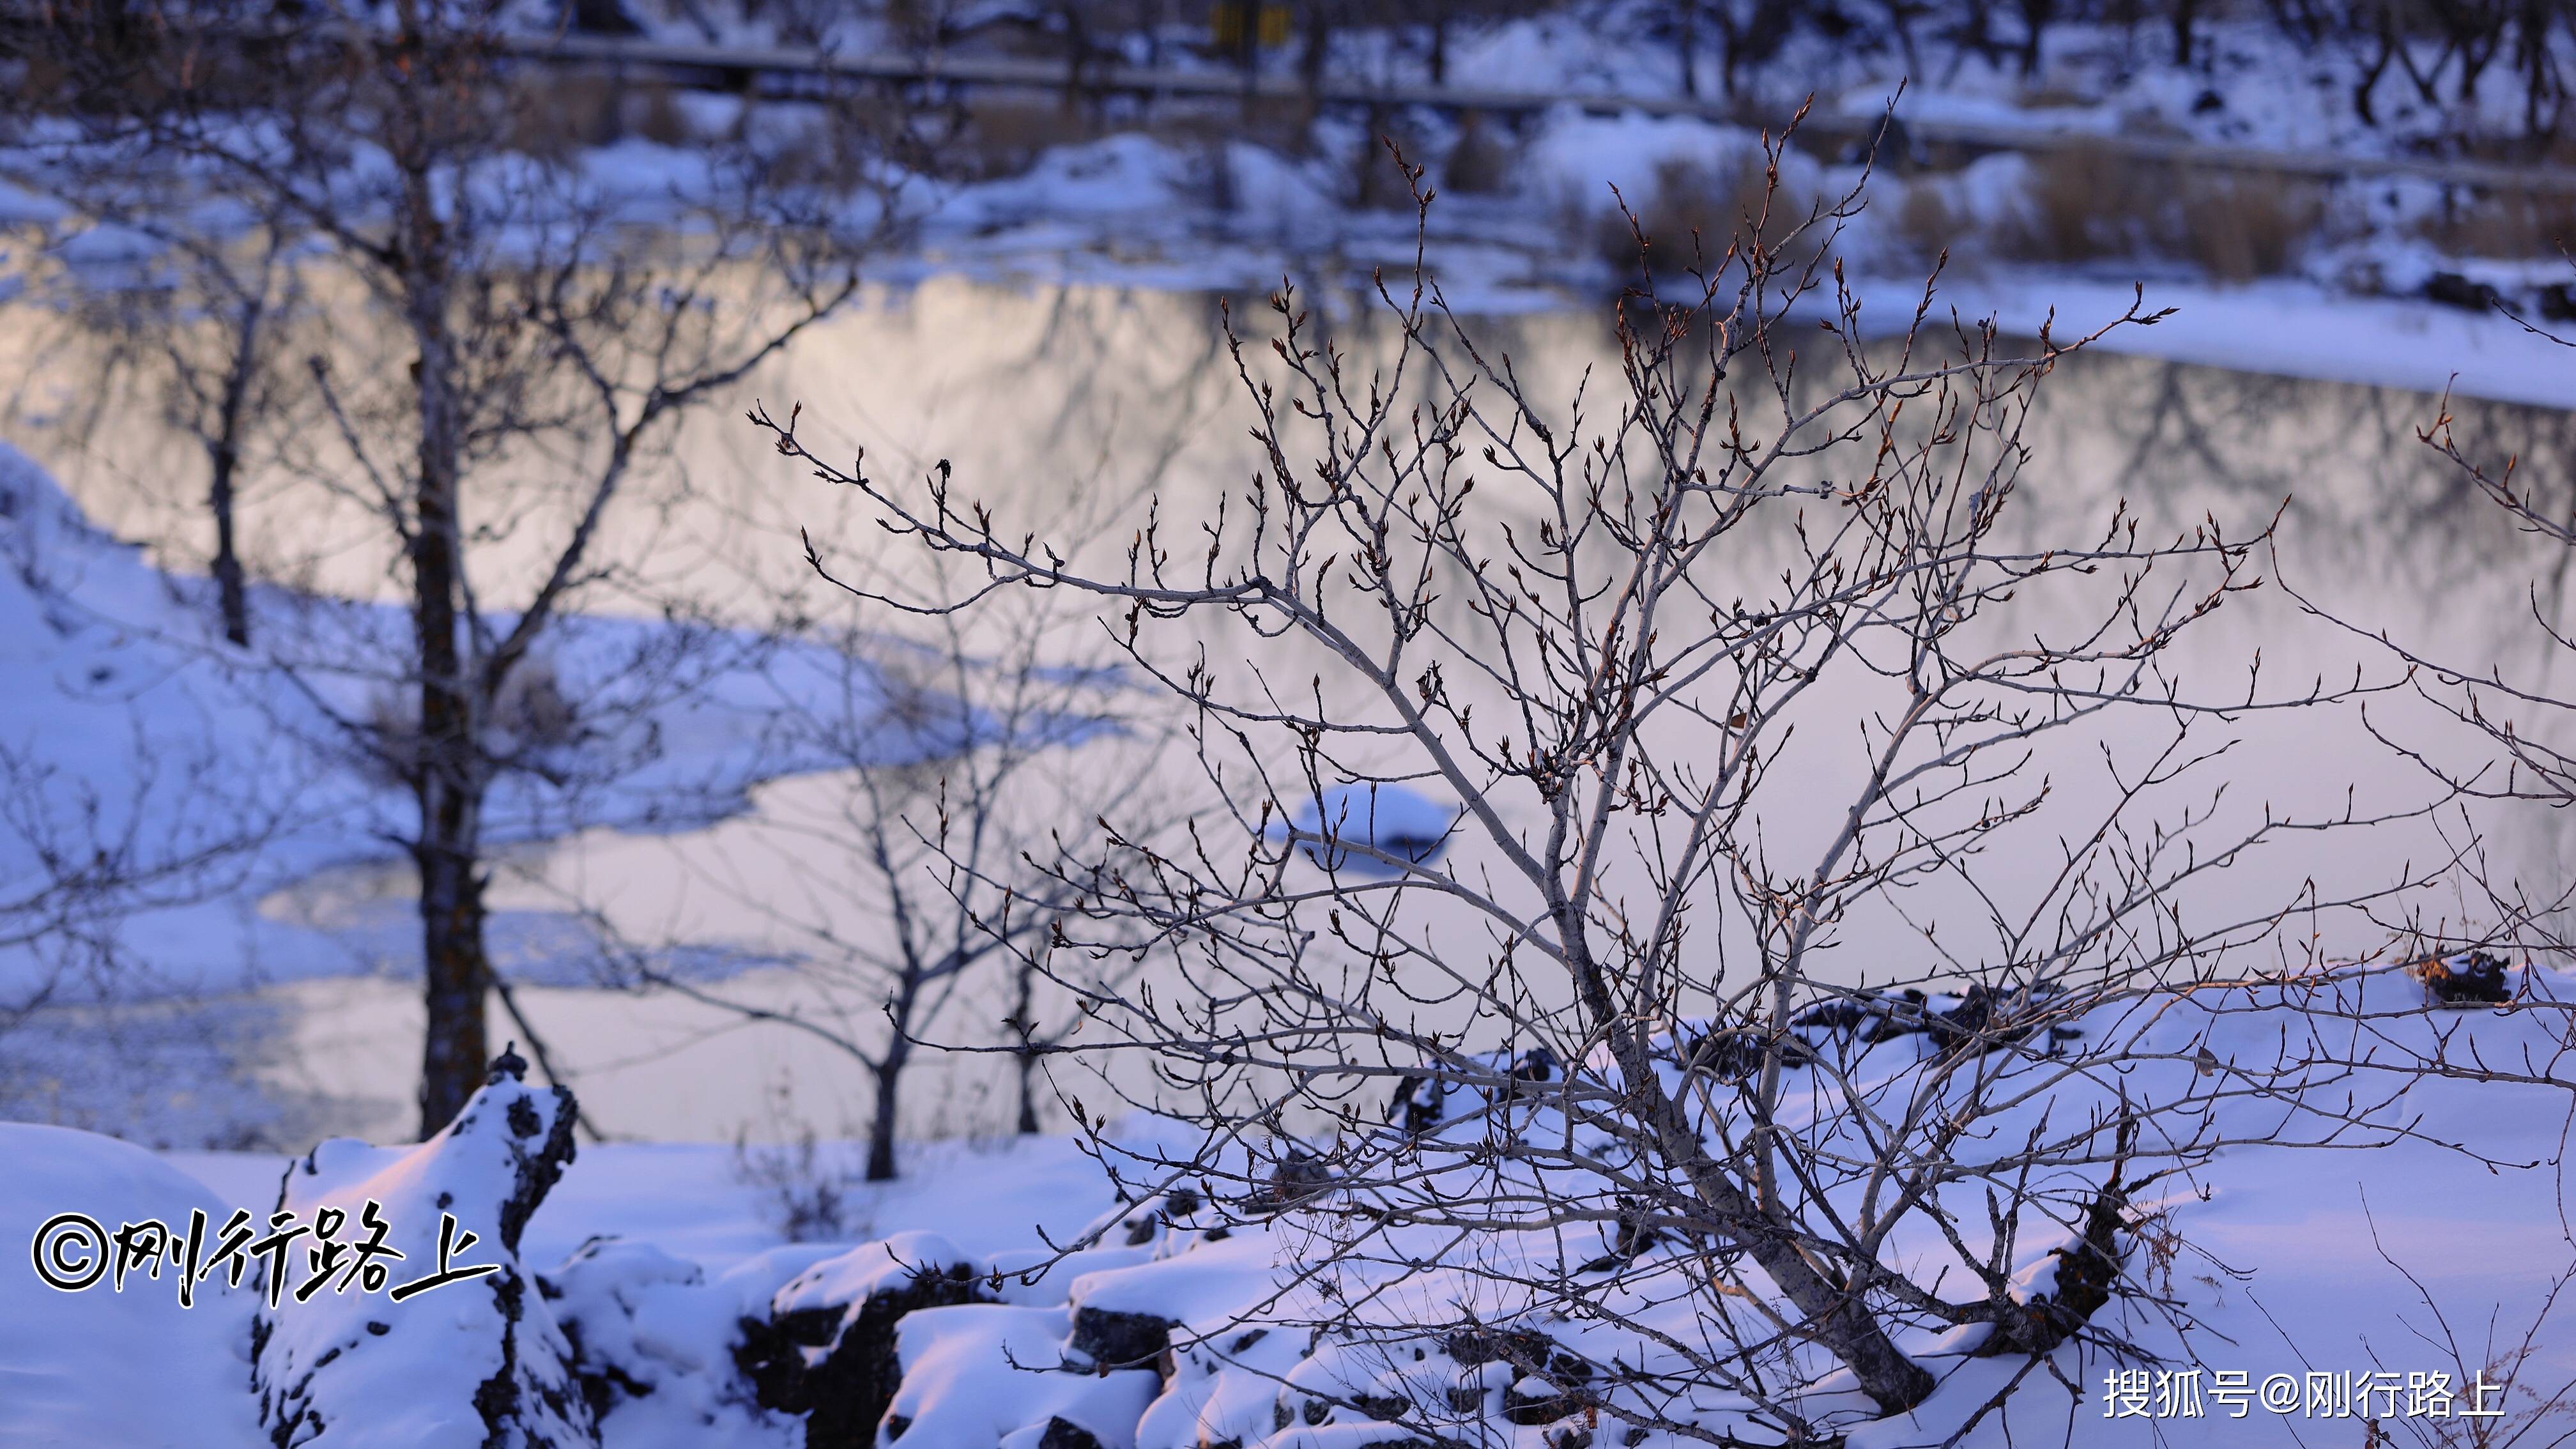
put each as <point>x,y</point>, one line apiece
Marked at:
<point>1741,668</point>
<point>541,338</point>
<point>205,328</point>
<point>202,324</point>
<point>902,888</point>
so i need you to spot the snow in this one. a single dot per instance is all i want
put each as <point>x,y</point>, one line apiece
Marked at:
<point>62,1354</point>
<point>2283,327</point>
<point>870,1269</point>
<point>667,1329</point>
<point>978,1374</point>
<point>1388,818</point>
<point>657,1260</point>
<point>1205,1286</point>
<point>1134,210</point>
<point>1580,158</point>
<point>133,725</point>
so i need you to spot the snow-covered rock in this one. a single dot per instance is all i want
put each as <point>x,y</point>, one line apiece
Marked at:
<point>1391,819</point>
<point>473,1363</point>
<point>827,1347</point>
<point>655,1343</point>
<point>993,1373</point>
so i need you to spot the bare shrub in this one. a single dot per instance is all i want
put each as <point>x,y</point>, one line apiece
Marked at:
<point>1480,163</point>
<point>1698,210</point>
<point>892,890</point>
<point>802,1187</point>
<point>1591,1060</point>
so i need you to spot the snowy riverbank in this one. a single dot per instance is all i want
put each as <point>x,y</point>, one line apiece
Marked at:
<point>668,1310</point>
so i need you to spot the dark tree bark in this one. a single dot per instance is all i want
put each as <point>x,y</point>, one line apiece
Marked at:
<point>223,459</point>
<point>2035,18</point>
<point>1687,38</point>
<point>2372,68</point>
<point>232,603</point>
<point>448,777</point>
<point>448,781</point>
<point>1024,1059</point>
<point>888,1075</point>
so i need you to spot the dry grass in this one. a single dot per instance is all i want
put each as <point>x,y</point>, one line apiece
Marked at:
<point>2514,224</point>
<point>2050,96</point>
<point>2090,203</point>
<point>1927,224</point>
<point>1695,212</point>
<point>2080,204</point>
<point>1004,133</point>
<point>558,114</point>
<point>1481,163</point>
<point>2238,227</point>
<point>653,112</point>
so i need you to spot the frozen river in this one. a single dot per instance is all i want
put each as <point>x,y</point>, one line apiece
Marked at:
<point>1073,406</point>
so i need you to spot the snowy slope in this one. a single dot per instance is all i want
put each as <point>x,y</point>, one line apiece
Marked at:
<point>130,729</point>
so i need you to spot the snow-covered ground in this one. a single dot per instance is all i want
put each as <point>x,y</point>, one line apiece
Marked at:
<point>998,1289</point>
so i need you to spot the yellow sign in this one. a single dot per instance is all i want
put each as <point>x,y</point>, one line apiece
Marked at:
<point>1226,20</point>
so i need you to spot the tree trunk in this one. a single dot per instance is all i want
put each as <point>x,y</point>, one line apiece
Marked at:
<point>231,600</point>
<point>1837,1314</point>
<point>2186,16</point>
<point>447,768</point>
<point>2371,70</point>
<point>1027,1066</point>
<point>881,1128</point>
<point>1312,61</point>
<point>1024,1062</point>
<point>2035,15</point>
<point>224,458</point>
<point>457,978</point>
<point>1689,45</point>
<point>448,781</point>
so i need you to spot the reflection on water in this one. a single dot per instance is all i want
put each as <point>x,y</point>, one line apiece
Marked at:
<point>1070,407</point>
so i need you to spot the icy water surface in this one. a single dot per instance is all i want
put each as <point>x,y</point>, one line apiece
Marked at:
<point>1069,407</point>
